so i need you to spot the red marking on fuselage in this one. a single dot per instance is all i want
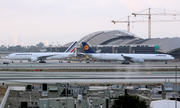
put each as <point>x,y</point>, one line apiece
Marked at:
<point>73,50</point>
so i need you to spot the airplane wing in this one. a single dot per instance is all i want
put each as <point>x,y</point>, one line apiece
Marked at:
<point>133,59</point>
<point>127,58</point>
<point>80,54</point>
<point>44,57</point>
<point>88,54</point>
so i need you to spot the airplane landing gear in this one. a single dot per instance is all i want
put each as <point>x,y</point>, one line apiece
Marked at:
<point>125,62</point>
<point>69,61</point>
<point>42,61</point>
<point>60,61</point>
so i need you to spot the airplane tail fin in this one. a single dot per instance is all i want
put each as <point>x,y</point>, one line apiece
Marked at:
<point>87,48</point>
<point>71,49</point>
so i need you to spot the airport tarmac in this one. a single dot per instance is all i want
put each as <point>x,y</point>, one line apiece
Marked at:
<point>92,65</point>
<point>54,64</point>
<point>86,77</point>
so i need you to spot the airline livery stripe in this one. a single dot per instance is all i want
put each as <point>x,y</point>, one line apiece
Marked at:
<point>73,50</point>
<point>70,47</point>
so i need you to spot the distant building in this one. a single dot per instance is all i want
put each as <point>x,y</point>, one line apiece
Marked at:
<point>46,43</point>
<point>15,41</point>
<point>164,104</point>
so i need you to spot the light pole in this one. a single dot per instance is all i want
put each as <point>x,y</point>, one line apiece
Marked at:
<point>176,86</point>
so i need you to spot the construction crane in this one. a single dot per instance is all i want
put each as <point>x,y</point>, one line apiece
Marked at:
<point>135,21</point>
<point>128,21</point>
<point>149,20</point>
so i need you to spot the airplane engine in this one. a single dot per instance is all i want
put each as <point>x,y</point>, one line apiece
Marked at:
<point>33,59</point>
<point>137,60</point>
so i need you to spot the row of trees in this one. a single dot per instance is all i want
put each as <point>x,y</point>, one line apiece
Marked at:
<point>20,48</point>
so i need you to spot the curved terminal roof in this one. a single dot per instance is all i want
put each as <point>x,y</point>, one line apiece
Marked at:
<point>105,37</point>
<point>122,37</point>
<point>166,45</point>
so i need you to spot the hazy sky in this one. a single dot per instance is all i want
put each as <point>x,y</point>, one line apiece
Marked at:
<point>63,21</point>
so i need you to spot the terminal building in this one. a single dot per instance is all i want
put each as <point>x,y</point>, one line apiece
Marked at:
<point>121,41</point>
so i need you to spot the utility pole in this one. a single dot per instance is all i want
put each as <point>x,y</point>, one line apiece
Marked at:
<point>176,86</point>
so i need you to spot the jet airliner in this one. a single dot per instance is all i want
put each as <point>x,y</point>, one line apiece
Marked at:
<point>126,58</point>
<point>33,57</point>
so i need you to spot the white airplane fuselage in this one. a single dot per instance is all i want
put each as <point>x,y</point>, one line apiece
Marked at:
<point>119,57</point>
<point>107,56</point>
<point>29,56</point>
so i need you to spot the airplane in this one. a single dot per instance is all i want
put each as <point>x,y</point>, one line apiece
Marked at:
<point>126,58</point>
<point>33,57</point>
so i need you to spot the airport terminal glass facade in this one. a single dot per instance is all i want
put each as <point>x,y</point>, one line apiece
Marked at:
<point>144,49</point>
<point>106,49</point>
<point>176,53</point>
<point>121,49</point>
<point>111,49</point>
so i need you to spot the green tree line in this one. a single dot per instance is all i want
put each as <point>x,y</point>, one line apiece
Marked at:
<point>20,48</point>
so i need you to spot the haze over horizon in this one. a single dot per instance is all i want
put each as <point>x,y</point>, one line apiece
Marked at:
<point>28,22</point>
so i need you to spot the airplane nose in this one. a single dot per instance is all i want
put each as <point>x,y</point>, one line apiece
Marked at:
<point>172,57</point>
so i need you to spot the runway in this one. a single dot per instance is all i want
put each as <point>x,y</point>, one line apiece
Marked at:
<point>86,77</point>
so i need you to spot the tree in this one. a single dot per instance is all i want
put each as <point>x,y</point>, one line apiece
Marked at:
<point>33,49</point>
<point>3,48</point>
<point>128,101</point>
<point>40,45</point>
<point>18,48</point>
<point>12,49</point>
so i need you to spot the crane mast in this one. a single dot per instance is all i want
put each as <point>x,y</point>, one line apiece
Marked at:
<point>149,24</point>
